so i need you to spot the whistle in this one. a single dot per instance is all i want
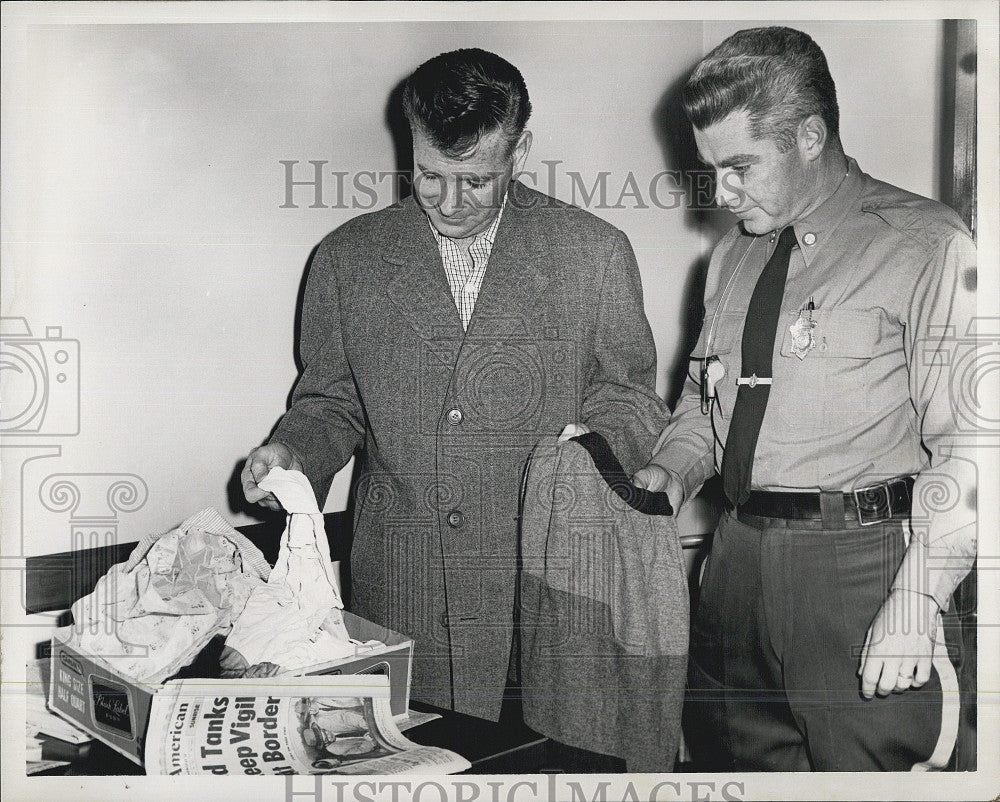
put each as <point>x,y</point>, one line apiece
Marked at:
<point>712,372</point>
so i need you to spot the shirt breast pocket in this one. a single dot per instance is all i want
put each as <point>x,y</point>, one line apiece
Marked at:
<point>831,385</point>
<point>719,335</point>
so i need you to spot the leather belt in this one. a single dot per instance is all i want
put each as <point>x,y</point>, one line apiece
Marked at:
<point>873,504</point>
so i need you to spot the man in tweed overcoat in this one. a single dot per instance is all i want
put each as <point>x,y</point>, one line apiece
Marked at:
<point>442,337</point>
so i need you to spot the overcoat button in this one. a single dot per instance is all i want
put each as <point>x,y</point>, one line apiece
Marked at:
<point>454,416</point>
<point>455,519</point>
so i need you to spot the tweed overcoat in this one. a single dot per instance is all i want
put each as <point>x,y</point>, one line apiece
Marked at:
<point>443,419</point>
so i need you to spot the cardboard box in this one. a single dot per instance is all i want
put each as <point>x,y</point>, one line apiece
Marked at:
<point>115,710</point>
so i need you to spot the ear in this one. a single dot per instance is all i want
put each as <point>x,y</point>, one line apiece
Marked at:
<point>812,136</point>
<point>521,151</point>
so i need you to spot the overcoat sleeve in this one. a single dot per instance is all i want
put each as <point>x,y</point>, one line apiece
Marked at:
<point>324,425</point>
<point>620,399</point>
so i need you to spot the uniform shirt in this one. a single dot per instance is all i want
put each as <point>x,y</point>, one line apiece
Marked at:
<point>464,279</point>
<point>891,276</point>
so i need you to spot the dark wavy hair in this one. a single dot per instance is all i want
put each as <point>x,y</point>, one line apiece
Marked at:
<point>779,76</point>
<point>457,97</point>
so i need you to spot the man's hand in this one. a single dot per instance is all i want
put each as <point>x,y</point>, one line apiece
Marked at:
<point>899,646</point>
<point>655,478</point>
<point>259,464</point>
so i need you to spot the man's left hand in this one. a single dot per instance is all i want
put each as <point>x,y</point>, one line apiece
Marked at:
<point>899,647</point>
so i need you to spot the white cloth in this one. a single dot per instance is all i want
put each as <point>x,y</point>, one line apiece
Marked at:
<point>295,619</point>
<point>148,617</point>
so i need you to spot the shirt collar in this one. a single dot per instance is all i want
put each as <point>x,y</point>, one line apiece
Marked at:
<point>488,236</point>
<point>815,229</point>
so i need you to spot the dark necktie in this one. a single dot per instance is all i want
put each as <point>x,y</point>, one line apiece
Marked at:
<point>758,347</point>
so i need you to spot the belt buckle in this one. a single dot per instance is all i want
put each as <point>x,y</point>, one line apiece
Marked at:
<point>888,504</point>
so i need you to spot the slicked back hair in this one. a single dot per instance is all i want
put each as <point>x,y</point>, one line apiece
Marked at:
<point>779,76</point>
<point>456,98</point>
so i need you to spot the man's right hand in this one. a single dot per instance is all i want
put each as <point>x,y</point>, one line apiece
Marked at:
<point>259,464</point>
<point>655,478</point>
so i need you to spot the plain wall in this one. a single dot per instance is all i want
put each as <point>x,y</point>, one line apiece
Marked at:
<point>142,192</point>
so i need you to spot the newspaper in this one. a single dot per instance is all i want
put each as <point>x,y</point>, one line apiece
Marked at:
<point>285,725</point>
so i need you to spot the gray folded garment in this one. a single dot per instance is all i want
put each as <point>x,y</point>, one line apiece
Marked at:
<point>603,607</point>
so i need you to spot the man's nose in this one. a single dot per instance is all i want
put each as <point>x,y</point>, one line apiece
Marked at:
<point>447,200</point>
<point>728,190</point>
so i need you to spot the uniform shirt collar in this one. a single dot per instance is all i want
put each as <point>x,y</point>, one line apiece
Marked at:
<point>816,228</point>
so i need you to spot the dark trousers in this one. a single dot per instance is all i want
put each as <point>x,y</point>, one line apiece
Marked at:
<point>775,648</point>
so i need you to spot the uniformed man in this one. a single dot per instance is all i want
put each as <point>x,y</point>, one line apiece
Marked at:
<point>442,337</point>
<point>825,404</point>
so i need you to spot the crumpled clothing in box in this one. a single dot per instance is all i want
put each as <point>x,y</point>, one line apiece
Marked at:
<point>296,619</point>
<point>149,616</point>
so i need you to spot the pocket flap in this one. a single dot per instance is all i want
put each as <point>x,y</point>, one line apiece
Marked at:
<point>719,334</point>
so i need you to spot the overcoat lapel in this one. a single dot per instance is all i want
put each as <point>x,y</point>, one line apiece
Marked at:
<point>516,276</point>
<point>515,280</point>
<point>419,288</point>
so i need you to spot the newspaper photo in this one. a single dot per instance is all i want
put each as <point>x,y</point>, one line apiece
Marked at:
<point>305,725</point>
